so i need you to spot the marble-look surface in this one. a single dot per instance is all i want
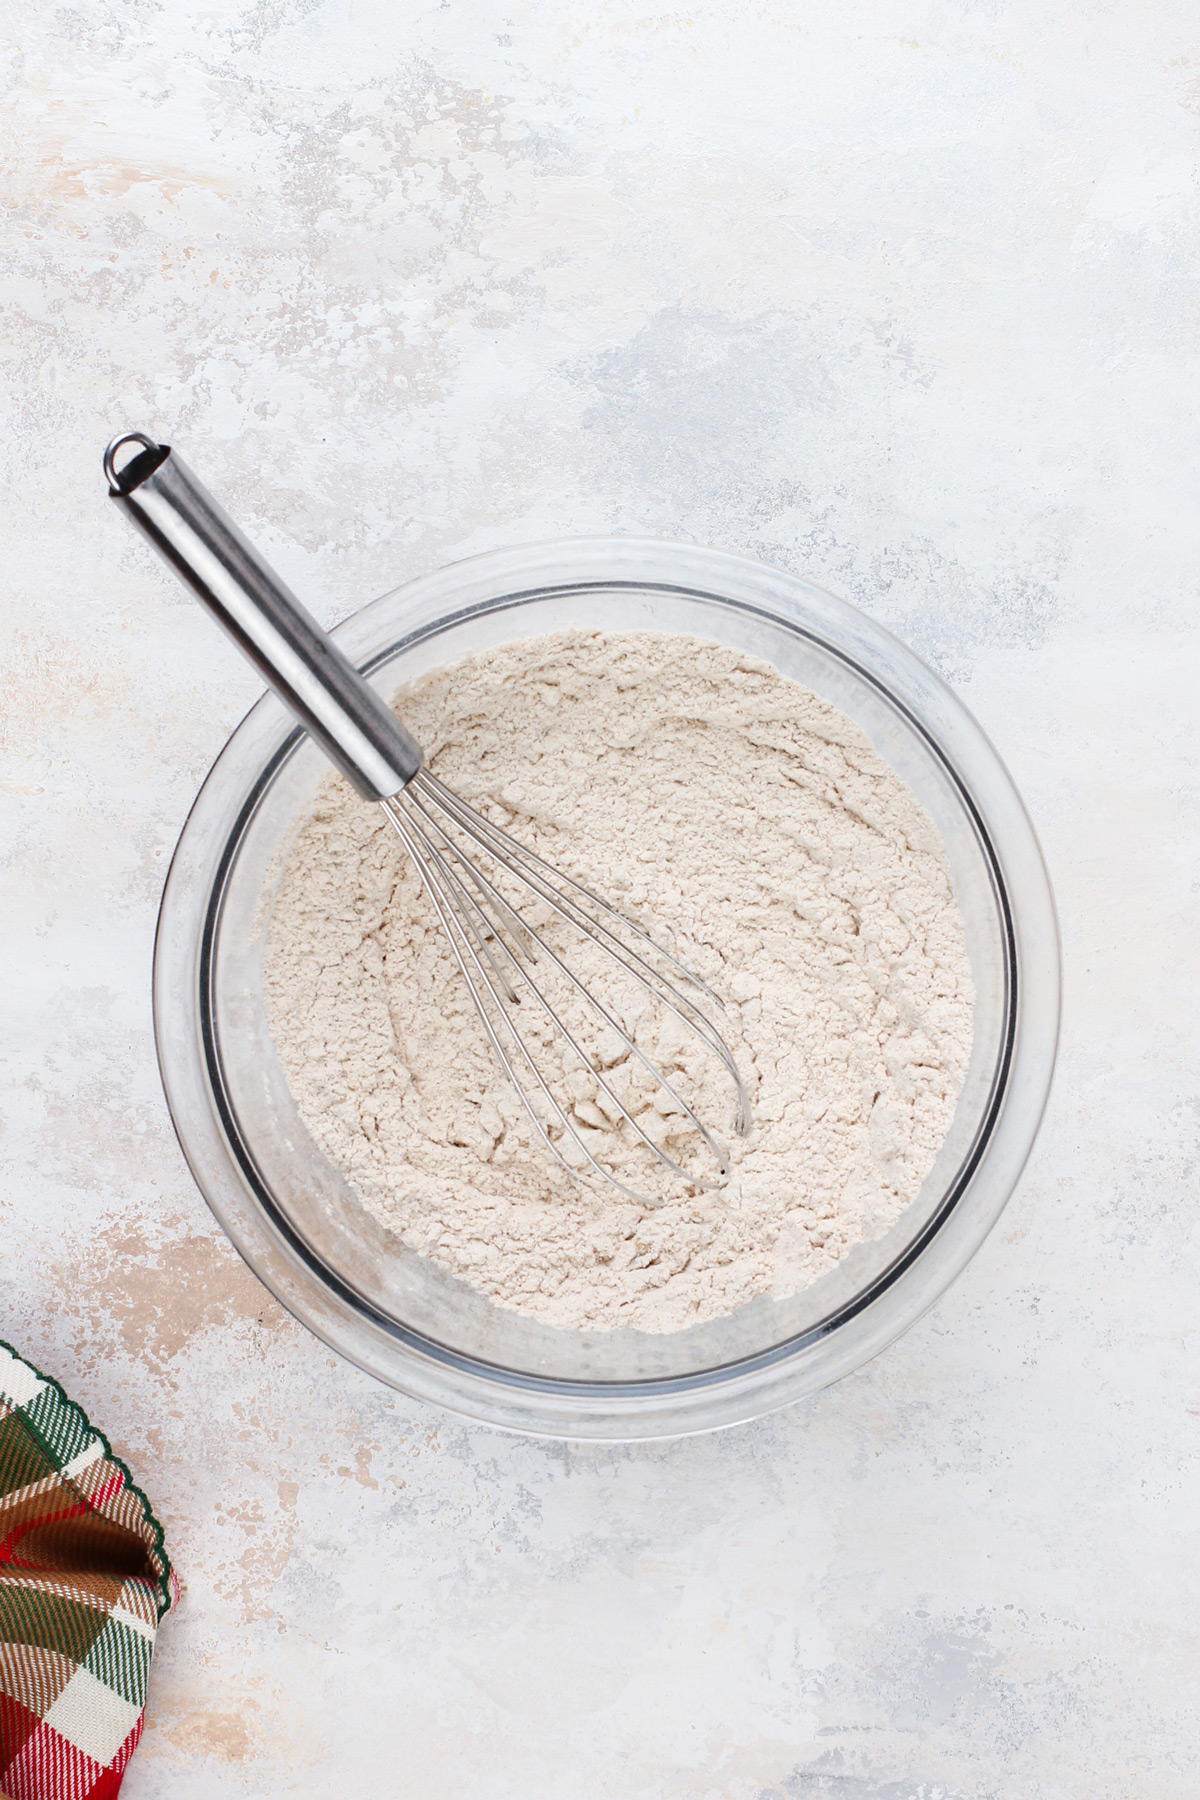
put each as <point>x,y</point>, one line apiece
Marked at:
<point>904,297</point>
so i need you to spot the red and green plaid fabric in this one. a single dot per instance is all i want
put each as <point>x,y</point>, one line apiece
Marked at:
<point>84,1582</point>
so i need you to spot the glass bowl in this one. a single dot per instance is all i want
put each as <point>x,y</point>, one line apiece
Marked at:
<point>291,1214</point>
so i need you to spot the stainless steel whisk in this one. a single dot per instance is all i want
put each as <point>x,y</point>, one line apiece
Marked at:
<point>464,861</point>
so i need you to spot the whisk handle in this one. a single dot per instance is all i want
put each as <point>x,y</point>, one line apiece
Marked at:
<point>337,707</point>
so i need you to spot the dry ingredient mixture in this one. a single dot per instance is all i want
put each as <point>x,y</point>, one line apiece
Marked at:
<point>753,829</point>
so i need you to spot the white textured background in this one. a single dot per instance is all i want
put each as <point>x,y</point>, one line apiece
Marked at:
<point>901,296</point>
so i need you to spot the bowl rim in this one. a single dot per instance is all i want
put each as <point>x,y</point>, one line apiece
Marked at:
<point>224,1168</point>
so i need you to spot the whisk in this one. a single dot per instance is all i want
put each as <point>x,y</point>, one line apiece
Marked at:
<point>510,918</point>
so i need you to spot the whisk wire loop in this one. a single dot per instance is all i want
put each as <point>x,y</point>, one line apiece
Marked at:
<point>479,919</point>
<point>448,900</point>
<point>515,858</point>
<point>542,948</point>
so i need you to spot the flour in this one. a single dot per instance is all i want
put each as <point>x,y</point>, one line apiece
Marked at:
<point>752,827</point>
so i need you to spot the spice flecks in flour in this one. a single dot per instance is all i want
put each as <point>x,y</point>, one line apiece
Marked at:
<point>752,827</point>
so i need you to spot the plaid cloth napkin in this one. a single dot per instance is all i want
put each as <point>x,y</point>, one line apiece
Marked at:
<point>84,1581</point>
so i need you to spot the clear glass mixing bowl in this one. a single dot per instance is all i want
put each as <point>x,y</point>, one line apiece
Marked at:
<point>291,1214</point>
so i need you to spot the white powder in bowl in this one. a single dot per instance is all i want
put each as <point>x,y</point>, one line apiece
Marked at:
<point>753,829</point>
